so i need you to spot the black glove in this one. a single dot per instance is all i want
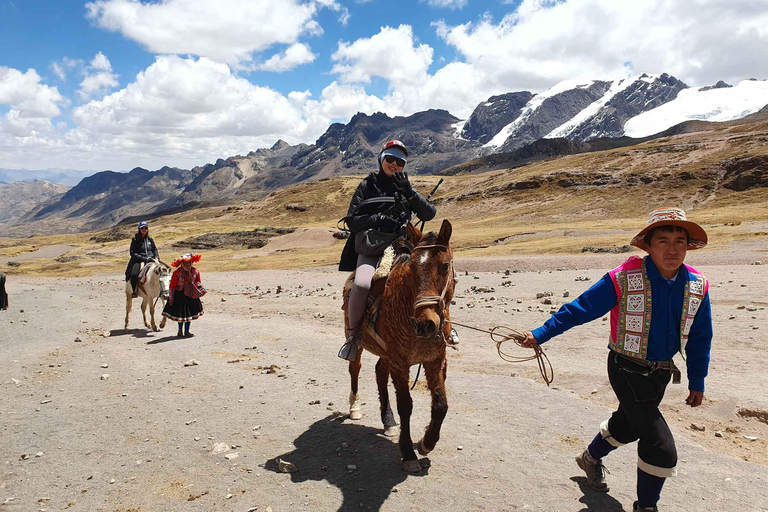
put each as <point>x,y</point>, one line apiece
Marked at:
<point>386,223</point>
<point>402,184</point>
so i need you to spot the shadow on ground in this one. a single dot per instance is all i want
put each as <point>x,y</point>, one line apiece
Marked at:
<point>136,333</point>
<point>596,501</point>
<point>378,466</point>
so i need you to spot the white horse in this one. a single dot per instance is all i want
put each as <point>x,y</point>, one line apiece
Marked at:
<point>154,282</point>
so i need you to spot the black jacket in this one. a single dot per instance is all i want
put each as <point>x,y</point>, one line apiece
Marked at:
<point>359,218</point>
<point>3,295</point>
<point>143,249</point>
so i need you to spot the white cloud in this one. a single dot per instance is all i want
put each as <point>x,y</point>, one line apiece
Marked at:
<point>225,31</point>
<point>60,69</point>
<point>100,81</point>
<point>450,4</point>
<point>545,41</point>
<point>391,54</point>
<point>295,55</point>
<point>31,104</point>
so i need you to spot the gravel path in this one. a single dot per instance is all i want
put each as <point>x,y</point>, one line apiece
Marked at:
<point>142,439</point>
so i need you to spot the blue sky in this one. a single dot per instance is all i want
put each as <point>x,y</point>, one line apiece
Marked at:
<point>124,83</point>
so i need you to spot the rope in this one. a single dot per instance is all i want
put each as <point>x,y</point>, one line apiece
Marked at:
<point>501,333</point>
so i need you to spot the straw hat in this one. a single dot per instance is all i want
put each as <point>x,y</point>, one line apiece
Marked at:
<point>697,237</point>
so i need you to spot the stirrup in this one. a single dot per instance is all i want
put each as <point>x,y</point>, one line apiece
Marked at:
<point>349,349</point>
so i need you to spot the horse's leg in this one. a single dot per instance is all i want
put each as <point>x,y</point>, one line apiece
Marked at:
<point>382,379</point>
<point>354,397</point>
<point>165,318</point>
<point>128,304</point>
<point>435,372</point>
<point>152,315</point>
<point>144,311</point>
<point>404,409</point>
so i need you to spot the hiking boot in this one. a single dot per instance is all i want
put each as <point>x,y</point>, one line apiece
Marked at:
<point>350,347</point>
<point>637,508</point>
<point>188,335</point>
<point>595,472</point>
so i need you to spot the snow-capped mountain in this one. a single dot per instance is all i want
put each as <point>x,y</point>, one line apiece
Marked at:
<point>580,110</point>
<point>718,103</point>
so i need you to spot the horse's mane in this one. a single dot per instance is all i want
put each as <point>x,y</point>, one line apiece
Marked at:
<point>404,247</point>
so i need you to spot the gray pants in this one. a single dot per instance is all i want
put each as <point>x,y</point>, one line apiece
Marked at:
<point>366,266</point>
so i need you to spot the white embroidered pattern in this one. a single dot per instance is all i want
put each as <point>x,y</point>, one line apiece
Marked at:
<point>634,323</point>
<point>693,307</point>
<point>632,343</point>
<point>688,324</point>
<point>634,281</point>
<point>636,303</point>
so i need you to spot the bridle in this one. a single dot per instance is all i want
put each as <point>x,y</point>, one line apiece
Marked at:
<point>435,300</point>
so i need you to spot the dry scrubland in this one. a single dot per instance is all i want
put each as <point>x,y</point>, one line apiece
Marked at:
<point>522,211</point>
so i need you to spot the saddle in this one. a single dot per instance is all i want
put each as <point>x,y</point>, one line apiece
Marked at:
<point>142,278</point>
<point>380,275</point>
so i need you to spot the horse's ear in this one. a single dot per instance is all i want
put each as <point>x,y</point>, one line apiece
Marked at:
<point>158,269</point>
<point>413,233</point>
<point>445,232</point>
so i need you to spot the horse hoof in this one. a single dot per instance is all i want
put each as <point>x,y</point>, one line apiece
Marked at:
<point>154,328</point>
<point>412,466</point>
<point>423,449</point>
<point>392,431</point>
<point>355,415</point>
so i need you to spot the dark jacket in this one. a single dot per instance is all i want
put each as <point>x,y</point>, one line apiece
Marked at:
<point>359,218</point>
<point>143,249</point>
<point>3,295</point>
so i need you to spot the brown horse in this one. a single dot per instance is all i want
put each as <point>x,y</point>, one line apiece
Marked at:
<point>413,325</point>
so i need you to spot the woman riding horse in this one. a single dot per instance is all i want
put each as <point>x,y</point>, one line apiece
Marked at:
<point>375,223</point>
<point>143,250</point>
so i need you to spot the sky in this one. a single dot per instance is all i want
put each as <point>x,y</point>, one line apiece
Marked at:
<point>118,84</point>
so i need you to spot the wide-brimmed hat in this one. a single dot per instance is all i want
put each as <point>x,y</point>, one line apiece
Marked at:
<point>194,258</point>
<point>697,237</point>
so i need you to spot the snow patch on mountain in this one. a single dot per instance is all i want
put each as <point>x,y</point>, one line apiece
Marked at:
<point>531,107</point>
<point>458,128</point>
<point>616,87</point>
<point>724,104</point>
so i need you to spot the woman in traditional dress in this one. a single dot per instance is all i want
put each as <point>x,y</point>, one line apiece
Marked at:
<point>185,291</point>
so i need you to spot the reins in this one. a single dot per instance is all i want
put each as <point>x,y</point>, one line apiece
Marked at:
<point>501,333</point>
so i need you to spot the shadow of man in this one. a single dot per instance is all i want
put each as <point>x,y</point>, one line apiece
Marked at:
<point>319,456</point>
<point>596,501</point>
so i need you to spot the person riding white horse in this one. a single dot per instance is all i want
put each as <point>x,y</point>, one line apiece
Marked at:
<point>142,250</point>
<point>153,283</point>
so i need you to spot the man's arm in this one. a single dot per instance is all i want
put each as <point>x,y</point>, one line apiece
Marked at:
<point>592,304</point>
<point>697,352</point>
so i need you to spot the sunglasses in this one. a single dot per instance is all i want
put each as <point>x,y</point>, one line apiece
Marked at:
<point>394,160</point>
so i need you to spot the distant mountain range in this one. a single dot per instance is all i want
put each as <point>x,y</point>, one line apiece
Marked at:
<point>576,116</point>
<point>68,177</point>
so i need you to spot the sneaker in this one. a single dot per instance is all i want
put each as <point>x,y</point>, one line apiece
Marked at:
<point>454,339</point>
<point>350,347</point>
<point>636,508</point>
<point>135,295</point>
<point>595,472</point>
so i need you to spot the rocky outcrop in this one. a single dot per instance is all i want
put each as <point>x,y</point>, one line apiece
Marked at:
<point>489,117</point>
<point>745,173</point>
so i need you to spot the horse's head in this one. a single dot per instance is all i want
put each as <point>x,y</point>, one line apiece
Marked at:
<point>163,272</point>
<point>431,265</point>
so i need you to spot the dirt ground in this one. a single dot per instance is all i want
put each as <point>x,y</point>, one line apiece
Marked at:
<point>97,418</point>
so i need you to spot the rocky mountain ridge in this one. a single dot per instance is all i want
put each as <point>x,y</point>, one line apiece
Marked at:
<point>509,129</point>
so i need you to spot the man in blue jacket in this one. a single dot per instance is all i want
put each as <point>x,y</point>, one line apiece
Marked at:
<point>658,306</point>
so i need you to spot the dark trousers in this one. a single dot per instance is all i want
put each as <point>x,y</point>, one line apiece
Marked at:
<point>132,272</point>
<point>638,417</point>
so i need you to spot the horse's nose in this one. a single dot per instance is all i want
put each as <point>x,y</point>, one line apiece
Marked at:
<point>426,329</point>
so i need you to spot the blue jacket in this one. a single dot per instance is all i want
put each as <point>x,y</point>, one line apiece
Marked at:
<point>664,336</point>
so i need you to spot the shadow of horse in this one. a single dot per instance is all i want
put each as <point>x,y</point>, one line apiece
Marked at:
<point>596,501</point>
<point>378,467</point>
<point>136,333</point>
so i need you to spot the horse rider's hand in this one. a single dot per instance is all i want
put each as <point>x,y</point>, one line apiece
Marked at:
<point>529,341</point>
<point>403,185</point>
<point>694,398</point>
<point>387,223</point>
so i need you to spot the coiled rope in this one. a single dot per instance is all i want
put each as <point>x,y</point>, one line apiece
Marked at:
<point>502,333</point>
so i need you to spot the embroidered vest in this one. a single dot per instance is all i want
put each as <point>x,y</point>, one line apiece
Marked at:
<point>631,317</point>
